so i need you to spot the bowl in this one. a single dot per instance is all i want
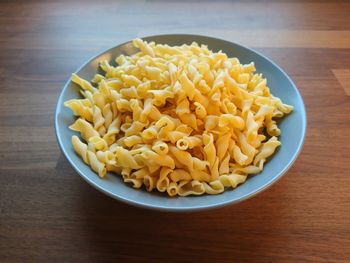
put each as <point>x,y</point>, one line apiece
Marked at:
<point>293,127</point>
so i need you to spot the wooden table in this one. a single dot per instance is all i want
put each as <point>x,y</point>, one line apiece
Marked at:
<point>49,214</point>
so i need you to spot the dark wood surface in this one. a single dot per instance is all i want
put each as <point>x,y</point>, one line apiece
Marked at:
<point>49,214</point>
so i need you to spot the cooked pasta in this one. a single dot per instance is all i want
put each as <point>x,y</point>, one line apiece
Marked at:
<point>177,119</point>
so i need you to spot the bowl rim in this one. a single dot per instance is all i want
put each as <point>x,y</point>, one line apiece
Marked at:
<point>187,208</point>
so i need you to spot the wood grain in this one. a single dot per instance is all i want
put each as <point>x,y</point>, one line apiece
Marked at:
<point>49,214</point>
<point>343,76</point>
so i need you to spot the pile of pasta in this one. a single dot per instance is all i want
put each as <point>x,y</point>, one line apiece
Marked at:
<point>180,119</point>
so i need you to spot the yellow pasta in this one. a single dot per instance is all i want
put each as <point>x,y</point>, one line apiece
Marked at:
<point>97,143</point>
<point>160,147</point>
<point>193,187</point>
<point>96,165</point>
<point>182,120</point>
<point>153,158</point>
<point>98,121</point>
<point>80,108</point>
<point>132,140</point>
<point>209,148</point>
<point>106,157</point>
<point>163,181</point>
<point>84,84</point>
<point>125,159</point>
<point>80,148</point>
<point>183,157</point>
<point>189,142</point>
<point>85,128</point>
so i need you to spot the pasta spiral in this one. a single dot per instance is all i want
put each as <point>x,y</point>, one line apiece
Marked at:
<point>177,119</point>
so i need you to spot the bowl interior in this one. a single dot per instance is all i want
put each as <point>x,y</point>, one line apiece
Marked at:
<point>292,126</point>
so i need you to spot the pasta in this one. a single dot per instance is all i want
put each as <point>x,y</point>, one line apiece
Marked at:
<point>177,119</point>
